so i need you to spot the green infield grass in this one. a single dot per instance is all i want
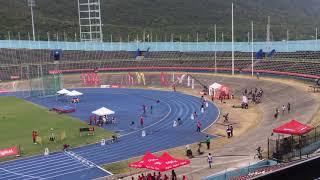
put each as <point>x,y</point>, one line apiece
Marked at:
<point>18,118</point>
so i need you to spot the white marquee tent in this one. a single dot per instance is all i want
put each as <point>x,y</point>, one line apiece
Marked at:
<point>103,111</point>
<point>74,93</point>
<point>63,92</point>
<point>213,87</point>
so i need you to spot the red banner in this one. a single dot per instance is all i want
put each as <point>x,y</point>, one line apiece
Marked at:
<point>115,86</point>
<point>14,77</point>
<point>55,71</point>
<point>9,151</point>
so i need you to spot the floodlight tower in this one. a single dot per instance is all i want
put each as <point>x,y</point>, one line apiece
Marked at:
<point>90,20</point>
<point>31,4</point>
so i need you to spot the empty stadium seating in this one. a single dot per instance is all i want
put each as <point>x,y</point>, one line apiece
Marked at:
<point>14,62</point>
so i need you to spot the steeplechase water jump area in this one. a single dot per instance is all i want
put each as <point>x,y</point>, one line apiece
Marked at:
<point>83,162</point>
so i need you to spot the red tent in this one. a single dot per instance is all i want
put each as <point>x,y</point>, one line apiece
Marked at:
<point>166,162</point>
<point>223,92</point>
<point>293,128</point>
<point>147,158</point>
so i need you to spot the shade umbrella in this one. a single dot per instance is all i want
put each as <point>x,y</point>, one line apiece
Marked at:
<point>166,162</point>
<point>147,158</point>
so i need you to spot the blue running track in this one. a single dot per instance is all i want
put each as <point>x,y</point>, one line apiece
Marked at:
<point>83,162</point>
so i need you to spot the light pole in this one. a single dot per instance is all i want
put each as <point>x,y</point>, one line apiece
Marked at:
<point>252,48</point>
<point>215,48</point>
<point>232,44</point>
<point>31,4</point>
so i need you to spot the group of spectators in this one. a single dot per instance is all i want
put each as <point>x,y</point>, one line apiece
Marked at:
<point>256,95</point>
<point>284,108</point>
<point>101,120</point>
<point>189,152</point>
<point>35,136</point>
<point>158,176</point>
<point>75,100</point>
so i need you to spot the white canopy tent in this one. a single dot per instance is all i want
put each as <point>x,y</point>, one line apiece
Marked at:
<point>213,87</point>
<point>74,93</point>
<point>103,111</point>
<point>63,92</point>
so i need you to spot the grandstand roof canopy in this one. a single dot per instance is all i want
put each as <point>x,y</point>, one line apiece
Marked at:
<point>293,127</point>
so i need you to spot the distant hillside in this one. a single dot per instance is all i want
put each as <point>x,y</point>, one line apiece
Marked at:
<point>178,17</point>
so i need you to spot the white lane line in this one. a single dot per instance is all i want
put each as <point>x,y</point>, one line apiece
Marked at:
<point>32,164</point>
<point>110,174</point>
<point>84,152</point>
<point>206,167</point>
<point>187,115</point>
<point>99,147</point>
<point>76,156</point>
<point>54,167</point>
<point>162,100</point>
<point>162,119</point>
<point>33,158</point>
<point>122,149</point>
<point>50,177</point>
<point>19,174</point>
<point>195,103</point>
<point>203,131</point>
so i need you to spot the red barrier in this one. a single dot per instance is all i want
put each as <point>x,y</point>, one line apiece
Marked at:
<point>12,151</point>
<point>163,79</point>
<point>90,79</point>
<point>14,77</point>
<point>3,91</point>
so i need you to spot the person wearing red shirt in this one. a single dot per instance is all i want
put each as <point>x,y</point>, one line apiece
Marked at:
<point>166,177</point>
<point>159,176</point>
<point>95,120</point>
<point>198,126</point>
<point>34,136</point>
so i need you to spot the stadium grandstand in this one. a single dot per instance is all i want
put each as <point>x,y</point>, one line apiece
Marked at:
<point>301,63</point>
